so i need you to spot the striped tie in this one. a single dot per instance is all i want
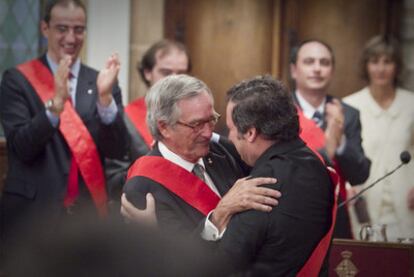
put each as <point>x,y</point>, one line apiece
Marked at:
<point>318,118</point>
<point>198,171</point>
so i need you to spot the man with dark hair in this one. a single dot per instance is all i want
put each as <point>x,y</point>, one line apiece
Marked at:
<point>264,126</point>
<point>163,58</point>
<point>336,125</point>
<point>61,118</point>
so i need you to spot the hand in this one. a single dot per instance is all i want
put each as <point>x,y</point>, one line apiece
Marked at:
<point>335,119</point>
<point>350,192</point>
<point>107,78</point>
<point>146,216</point>
<point>61,79</point>
<point>245,194</point>
<point>410,199</point>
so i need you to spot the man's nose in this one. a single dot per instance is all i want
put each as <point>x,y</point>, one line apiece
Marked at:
<point>207,130</point>
<point>317,66</point>
<point>70,36</point>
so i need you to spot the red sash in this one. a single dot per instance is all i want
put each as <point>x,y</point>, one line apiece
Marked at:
<point>76,134</point>
<point>311,133</point>
<point>315,139</point>
<point>176,179</point>
<point>313,265</point>
<point>137,113</point>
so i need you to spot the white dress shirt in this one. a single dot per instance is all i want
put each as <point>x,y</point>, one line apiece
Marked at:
<point>210,232</point>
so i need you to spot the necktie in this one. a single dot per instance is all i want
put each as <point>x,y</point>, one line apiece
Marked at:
<point>318,118</point>
<point>198,171</point>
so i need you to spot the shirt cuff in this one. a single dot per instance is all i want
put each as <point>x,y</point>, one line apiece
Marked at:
<point>53,119</point>
<point>210,232</point>
<point>107,114</point>
<point>341,149</point>
<point>215,137</point>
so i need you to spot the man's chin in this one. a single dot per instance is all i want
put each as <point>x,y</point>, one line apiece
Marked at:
<point>318,87</point>
<point>72,54</point>
<point>203,151</point>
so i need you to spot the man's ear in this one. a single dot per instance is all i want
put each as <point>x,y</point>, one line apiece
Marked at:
<point>293,71</point>
<point>251,134</point>
<point>44,28</point>
<point>163,128</point>
<point>148,75</point>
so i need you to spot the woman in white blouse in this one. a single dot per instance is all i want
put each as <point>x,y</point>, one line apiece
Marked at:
<point>387,118</point>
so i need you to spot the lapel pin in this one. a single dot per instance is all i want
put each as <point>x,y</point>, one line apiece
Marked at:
<point>90,91</point>
<point>209,161</point>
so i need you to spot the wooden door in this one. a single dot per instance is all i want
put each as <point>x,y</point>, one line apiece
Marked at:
<point>230,40</point>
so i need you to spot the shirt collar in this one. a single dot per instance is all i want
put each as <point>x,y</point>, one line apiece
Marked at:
<point>54,66</point>
<point>174,158</point>
<point>308,109</point>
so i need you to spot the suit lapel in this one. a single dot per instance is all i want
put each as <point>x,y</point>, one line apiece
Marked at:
<point>86,92</point>
<point>215,169</point>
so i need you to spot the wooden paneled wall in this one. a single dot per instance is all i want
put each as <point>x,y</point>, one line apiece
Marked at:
<point>230,40</point>
<point>345,25</point>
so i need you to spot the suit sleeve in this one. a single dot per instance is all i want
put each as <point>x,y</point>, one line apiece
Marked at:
<point>23,116</point>
<point>113,138</point>
<point>245,234</point>
<point>355,166</point>
<point>172,215</point>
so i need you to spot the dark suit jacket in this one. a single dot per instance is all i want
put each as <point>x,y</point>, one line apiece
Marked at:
<point>116,169</point>
<point>173,213</point>
<point>353,163</point>
<point>278,243</point>
<point>38,155</point>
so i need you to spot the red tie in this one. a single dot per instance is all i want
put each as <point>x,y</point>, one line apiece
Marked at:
<point>72,185</point>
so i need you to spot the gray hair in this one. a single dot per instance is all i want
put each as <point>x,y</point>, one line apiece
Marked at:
<point>162,99</point>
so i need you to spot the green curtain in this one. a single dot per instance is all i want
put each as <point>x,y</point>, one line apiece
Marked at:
<point>19,33</point>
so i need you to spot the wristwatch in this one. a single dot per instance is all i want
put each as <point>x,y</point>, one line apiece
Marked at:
<point>49,105</point>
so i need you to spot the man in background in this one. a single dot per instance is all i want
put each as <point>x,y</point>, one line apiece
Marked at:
<point>312,67</point>
<point>163,58</point>
<point>61,118</point>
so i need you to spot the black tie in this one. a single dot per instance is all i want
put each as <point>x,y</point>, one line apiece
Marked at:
<point>198,171</point>
<point>318,118</point>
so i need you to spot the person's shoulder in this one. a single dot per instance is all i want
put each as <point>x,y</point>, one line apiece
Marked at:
<point>10,73</point>
<point>356,97</point>
<point>272,166</point>
<point>350,111</point>
<point>405,101</point>
<point>13,76</point>
<point>86,69</point>
<point>406,94</point>
<point>14,71</point>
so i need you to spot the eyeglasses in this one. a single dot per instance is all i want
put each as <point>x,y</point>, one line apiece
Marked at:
<point>197,126</point>
<point>64,29</point>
